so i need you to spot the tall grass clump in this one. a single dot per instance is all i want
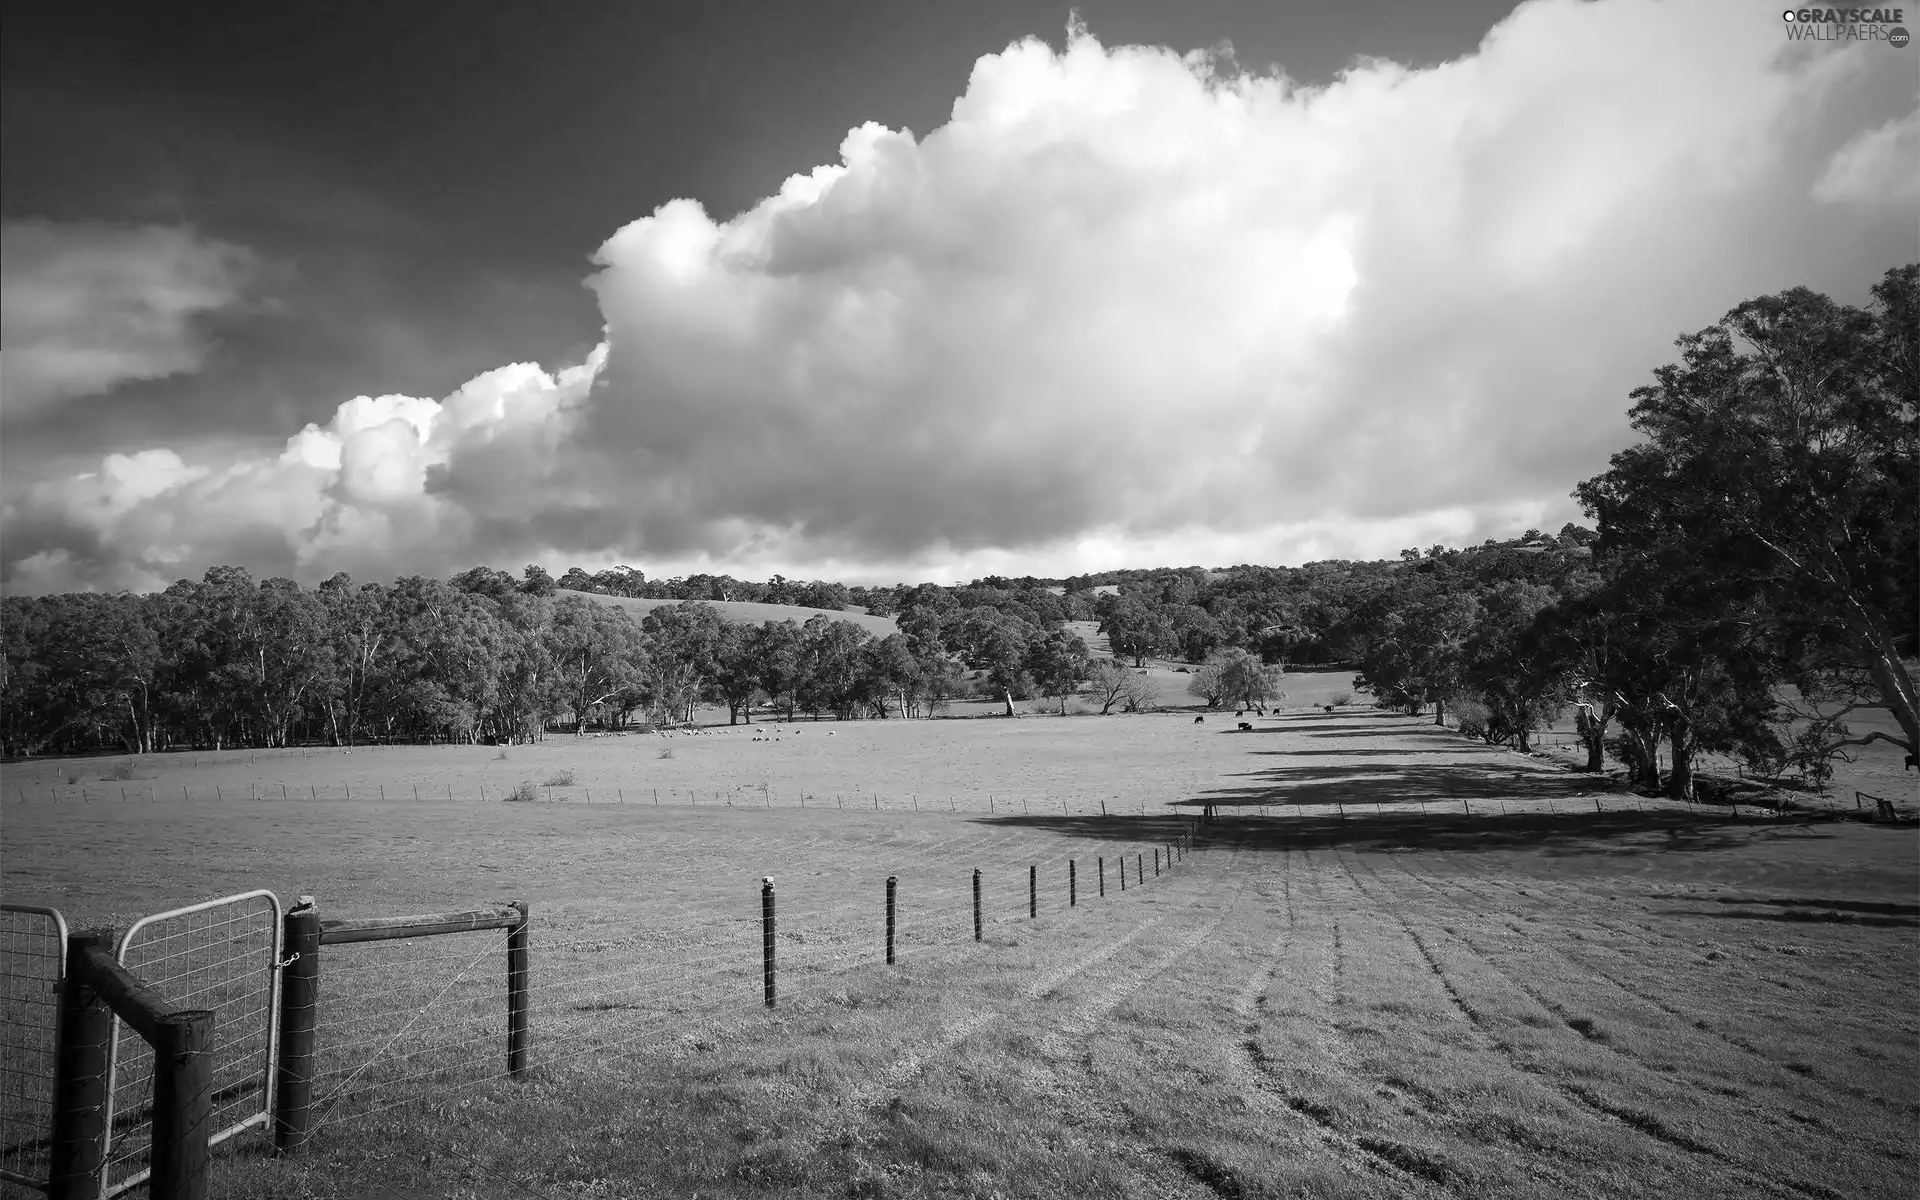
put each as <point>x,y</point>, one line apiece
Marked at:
<point>560,778</point>
<point>525,792</point>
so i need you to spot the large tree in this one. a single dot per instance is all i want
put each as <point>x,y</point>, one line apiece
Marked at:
<point>1783,452</point>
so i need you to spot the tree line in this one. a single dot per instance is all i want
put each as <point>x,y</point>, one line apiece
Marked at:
<point>1749,582</point>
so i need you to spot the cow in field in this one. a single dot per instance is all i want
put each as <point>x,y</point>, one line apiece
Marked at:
<point>1199,720</point>
<point>1246,726</point>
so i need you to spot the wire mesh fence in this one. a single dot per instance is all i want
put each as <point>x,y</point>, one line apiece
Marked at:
<point>397,1018</point>
<point>33,948</point>
<point>402,1021</point>
<point>222,955</point>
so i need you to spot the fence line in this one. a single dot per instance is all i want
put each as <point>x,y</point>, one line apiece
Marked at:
<point>589,992</point>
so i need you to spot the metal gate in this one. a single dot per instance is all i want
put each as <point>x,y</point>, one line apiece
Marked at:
<point>33,962</point>
<point>221,954</point>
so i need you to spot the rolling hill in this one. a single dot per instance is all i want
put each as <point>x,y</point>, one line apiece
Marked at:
<point>742,612</point>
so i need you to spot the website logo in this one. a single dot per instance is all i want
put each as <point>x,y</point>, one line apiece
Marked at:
<point>1847,25</point>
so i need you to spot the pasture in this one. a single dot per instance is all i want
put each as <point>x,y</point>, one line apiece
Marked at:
<point>1403,963</point>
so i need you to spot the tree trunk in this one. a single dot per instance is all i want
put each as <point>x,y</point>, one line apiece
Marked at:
<point>1008,697</point>
<point>1439,711</point>
<point>1897,690</point>
<point>1680,779</point>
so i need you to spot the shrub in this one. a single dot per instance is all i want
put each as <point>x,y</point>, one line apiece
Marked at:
<point>1343,699</point>
<point>1472,716</point>
<point>73,777</point>
<point>667,753</point>
<point>524,792</point>
<point>501,756</point>
<point>120,773</point>
<point>560,778</point>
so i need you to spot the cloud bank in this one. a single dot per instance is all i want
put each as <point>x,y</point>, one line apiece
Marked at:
<point>85,307</point>
<point>1125,307</point>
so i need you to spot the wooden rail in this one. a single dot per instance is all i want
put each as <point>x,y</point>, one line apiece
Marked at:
<point>381,929</point>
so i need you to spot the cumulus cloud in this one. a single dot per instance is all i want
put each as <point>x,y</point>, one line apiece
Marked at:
<point>1126,306</point>
<point>1880,166</point>
<point>87,307</point>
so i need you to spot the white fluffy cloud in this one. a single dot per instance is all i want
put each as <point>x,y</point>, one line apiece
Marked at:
<point>1121,308</point>
<point>87,307</point>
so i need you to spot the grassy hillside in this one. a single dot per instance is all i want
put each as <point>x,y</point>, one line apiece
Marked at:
<point>741,612</point>
<point>1482,976</point>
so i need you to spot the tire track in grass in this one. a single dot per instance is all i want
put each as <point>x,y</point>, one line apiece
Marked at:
<point>1258,1076</point>
<point>866,1100</point>
<point>1690,1020</point>
<point>1777,1112</point>
<point>1647,1124</point>
<point>1064,1069</point>
<point>1254,991</point>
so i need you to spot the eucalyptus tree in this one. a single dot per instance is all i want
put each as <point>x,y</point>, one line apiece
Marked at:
<point>1783,453</point>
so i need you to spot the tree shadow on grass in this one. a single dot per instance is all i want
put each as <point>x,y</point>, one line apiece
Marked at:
<point>1346,730</point>
<point>1400,752</point>
<point>1364,784</point>
<point>1879,907</point>
<point>1566,834</point>
<point>1832,916</point>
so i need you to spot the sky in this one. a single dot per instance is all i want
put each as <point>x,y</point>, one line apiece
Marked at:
<point>882,292</point>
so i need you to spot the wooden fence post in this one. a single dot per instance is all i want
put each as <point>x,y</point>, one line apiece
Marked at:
<point>299,1021</point>
<point>1073,885</point>
<point>80,1078</point>
<point>1033,891</point>
<point>976,904</point>
<point>519,963</point>
<point>1103,874</point>
<point>766,936</point>
<point>892,881</point>
<point>182,1105</point>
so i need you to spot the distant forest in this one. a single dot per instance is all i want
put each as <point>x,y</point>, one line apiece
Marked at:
<point>1764,533</point>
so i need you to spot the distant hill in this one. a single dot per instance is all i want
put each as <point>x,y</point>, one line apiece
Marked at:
<point>742,612</point>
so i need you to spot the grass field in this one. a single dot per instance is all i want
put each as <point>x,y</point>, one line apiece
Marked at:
<point>1402,964</point>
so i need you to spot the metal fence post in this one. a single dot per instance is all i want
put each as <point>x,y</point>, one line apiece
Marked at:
<point>182,1105</point>
<point>976,904</point>
<point>1033,891</point>
<point>892,881</point>
<point>80,1078</point>
<point>299,1021</point>
<point>1073,885</point>
<point>519,963</point>
<point>766,936</point>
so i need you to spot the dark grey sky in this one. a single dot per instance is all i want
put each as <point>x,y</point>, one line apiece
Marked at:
<point>300,287</point>
<point>424,181</point>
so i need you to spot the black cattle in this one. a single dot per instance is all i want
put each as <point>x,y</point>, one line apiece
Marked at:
<point>1247,725</point>
<point>1199,720</point>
